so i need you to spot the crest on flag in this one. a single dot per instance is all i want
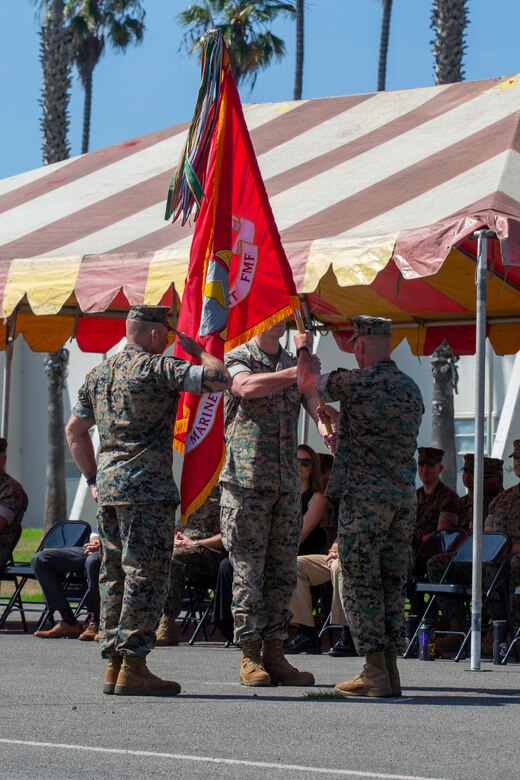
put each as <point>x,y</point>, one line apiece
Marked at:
<point>239,281</point>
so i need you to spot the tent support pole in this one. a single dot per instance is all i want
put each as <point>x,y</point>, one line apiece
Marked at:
<point>478,480</point>
<point>8,364</point>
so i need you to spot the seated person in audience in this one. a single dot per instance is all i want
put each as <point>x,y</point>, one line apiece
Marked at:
<point>453,614</point>
<point>197,553</point>
<point>51,566</point>
<point>437,504</point>
<point>313,537</point>
<point>504,517</point>
<point>493,485</point>
<point>316,570</point>
<point>13,503</point>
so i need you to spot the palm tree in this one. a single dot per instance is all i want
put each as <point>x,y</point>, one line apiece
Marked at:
<point>55,60</point>
<point>55,51</point>
<point>93,24</point>
<point>383,46</point>
<point>449,20</point>
<point>245,29</point>
<point>298,76</point>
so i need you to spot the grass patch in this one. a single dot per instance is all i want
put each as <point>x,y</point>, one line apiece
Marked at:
<point>28,544</point>
<point>323,694</point>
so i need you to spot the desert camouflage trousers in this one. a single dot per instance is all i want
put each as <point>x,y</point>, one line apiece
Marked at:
<point>261,531</point>
<point>374,540</point>
<point>137,541</point>
<point>199,564</point>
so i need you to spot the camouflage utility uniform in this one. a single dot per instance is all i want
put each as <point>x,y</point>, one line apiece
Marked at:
<point>132,398</point>
<point>374,475</point>
<point>13,497</point>
<point>195,562</point>
<point>430,505</point>
<point>505,509</point>
<point>260,503</point>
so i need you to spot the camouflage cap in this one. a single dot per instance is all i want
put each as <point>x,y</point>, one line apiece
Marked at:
<point>516,449</point>
<point>492,466</point>
<point>370,326</point>
<point>157,314</point>
<point>3,445</point>
<point>430,455</point>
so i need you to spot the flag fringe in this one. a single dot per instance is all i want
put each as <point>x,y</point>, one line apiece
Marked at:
<point>199,500</point>
<point>186,189</point>
<point>273,319</point>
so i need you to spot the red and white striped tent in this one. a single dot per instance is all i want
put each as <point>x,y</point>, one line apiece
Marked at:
<point>375,196</point>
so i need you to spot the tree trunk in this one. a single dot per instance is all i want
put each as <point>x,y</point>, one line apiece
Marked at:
<point>55,57</point>
<point>449,19</point>
<point>383,47</point>
<point>55,365</point>
<point>87,110</point>
<point>445,378</point>
<point>298,75</point>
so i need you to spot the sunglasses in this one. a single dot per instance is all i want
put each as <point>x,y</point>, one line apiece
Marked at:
<point>305,462</point>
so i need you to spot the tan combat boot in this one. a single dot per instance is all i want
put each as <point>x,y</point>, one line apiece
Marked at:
<point>166,634</point>
<point>373,680</point>
<point>393,672</point>
<point>111,673</point>
<point>279,668</point>
<point>252,670</point>
<point>135,679</point>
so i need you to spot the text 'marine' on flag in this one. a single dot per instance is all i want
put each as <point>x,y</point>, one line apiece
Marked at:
<point>239,281</point>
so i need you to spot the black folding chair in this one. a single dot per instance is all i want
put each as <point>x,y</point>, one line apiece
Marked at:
<point>198,606</point>
<point>515,639</point>
<point>496,551</point>
<point>70,533</point>
<point>438,543</point>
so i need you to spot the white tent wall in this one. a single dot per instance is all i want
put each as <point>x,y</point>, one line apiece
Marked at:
<point>27,455</point>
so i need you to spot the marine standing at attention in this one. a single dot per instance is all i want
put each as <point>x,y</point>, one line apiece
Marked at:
<point>380,413</point>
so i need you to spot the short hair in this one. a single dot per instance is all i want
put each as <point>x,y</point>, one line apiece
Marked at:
<point>3,445</point>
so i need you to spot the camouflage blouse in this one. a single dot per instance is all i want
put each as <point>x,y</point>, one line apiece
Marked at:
<point>430,505</point>
<point>132,398</point>
<point>380,413</point>
<point>262,433</point>
<point>505,509</point>
<point>13,497</point>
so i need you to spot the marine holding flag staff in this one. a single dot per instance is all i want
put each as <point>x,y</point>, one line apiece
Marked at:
<point>132,398</point>
<point>374,472</point>
<point>260,502</point>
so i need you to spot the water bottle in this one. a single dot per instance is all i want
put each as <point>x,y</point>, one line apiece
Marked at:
<point>410,626</point>
<point>499,640</point>
<point>427,641</point>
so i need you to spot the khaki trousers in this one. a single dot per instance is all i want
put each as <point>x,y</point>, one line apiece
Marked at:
<point>313,570</point>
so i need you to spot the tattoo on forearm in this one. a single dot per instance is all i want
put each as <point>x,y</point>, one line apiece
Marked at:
<point>212,376</point>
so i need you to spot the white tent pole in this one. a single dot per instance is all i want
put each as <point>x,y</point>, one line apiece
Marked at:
<point>478,483</point>
<point>8,364</point>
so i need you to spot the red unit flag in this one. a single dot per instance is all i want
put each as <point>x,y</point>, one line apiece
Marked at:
<point>239,281</point>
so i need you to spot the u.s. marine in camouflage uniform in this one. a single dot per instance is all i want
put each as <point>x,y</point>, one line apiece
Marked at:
<point>260,502</point>
<point>504,517</point>
<point>374,471</point>
<point>437,504</point>
<point>13,503</point>
<point>132,398</point>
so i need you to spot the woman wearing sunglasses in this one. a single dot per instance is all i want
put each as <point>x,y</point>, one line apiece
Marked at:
<point>314,504</point>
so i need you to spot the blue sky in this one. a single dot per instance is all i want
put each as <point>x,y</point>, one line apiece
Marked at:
<point>154,85</point>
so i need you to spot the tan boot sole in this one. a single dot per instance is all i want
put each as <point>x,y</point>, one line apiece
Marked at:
<point>109,688</point>
<point>256,683</point>
<point>135,690</point>
<point>376,693</point>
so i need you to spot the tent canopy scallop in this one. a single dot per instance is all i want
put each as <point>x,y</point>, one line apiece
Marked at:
<point>376,197</point>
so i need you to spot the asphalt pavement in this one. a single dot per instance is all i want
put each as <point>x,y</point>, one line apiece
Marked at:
<point>450,724</point>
